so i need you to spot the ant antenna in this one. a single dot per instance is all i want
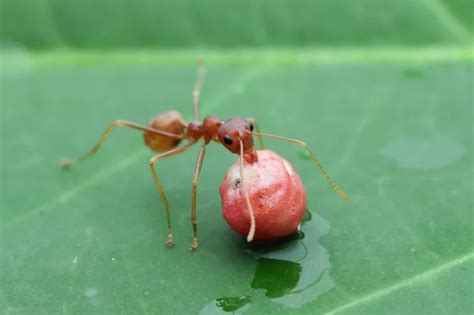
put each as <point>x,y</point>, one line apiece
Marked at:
<point>197,88</point>
<point>246,194</point>
<point>313,156</point>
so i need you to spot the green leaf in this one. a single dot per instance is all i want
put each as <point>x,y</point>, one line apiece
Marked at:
<point>391,123</point>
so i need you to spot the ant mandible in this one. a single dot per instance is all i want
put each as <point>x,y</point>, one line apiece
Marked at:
<point>166,131</point>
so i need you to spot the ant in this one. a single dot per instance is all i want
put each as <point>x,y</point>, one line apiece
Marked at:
<point>166,131</point>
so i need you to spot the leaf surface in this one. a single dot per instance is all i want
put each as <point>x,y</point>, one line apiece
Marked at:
<point>392,125</point>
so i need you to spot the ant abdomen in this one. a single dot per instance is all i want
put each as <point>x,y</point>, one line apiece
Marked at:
<point>171,122</point>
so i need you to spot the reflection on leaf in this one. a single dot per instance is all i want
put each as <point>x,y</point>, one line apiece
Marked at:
<point>307,216</point>
<point>278,277</point>
<point>268,247</point>
<point>307,255</point>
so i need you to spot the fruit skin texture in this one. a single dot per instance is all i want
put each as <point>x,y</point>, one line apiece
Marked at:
<point>276,193</point>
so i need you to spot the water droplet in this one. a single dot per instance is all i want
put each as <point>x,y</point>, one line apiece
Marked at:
<point>236,305</point>
<point>424,153</point>
<point>292,272</point>
<point>307,256</point>
<point>231,304</point>
<point>90,292</point>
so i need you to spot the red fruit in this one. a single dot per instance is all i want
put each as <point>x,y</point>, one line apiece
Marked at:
<point>276,193</point>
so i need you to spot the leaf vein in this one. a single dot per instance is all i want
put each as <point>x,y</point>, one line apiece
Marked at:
<point>69,194</point>
<point>428,274</point>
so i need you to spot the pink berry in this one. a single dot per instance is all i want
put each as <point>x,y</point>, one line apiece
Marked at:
<point>276,193</point>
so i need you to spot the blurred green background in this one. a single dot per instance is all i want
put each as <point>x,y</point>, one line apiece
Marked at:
<point>381,90</point>
<point>104,24</point>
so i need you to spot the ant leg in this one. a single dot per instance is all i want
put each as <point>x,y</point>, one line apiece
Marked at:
<point>243,186</point>
<point>313,156</point>
<point>106,134</point>
<point>197,89</point>
<point>197,172</point>
<point>154,173</point>
<point>253,120</point>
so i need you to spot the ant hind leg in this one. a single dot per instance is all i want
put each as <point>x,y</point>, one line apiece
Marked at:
<point>106,134</point>
<point>197,89</point>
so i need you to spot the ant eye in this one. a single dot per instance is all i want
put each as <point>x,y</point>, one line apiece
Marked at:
<point>251,127</point>
<point>227,140</point>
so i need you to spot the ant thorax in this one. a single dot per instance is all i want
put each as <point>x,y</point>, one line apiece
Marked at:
<point>207,129</point>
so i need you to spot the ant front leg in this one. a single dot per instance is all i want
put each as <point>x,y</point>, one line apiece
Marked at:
<point>197,172</point>
<point>253,120</point>
<point>154,173</point>
<point>313,157</point>
<point>244,188</point>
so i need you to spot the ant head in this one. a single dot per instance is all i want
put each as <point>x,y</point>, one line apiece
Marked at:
<point>235,130</point>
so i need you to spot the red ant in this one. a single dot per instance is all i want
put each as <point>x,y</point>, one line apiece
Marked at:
<point>166,131</point>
